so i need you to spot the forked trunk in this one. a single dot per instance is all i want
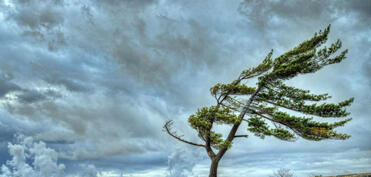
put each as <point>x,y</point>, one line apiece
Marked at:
<point>214,168</point>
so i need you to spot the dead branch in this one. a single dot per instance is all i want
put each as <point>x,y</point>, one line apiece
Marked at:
<point>167,128</point>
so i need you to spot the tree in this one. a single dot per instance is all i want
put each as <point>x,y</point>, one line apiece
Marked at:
<point>264,106</point>
<point>283,173</point>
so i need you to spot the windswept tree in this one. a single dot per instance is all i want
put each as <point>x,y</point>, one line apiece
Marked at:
<point>264,106</point>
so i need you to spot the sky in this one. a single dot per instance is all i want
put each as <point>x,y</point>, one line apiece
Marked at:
<point>87,85</point>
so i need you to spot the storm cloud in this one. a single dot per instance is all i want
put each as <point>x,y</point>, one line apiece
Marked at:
<point>96,80</point>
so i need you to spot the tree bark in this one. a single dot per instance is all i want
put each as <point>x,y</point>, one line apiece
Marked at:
<point>231,135</point>
<point>214,168</point>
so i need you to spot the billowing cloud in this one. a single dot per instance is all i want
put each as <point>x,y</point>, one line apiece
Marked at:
<point>182,162</point>
<point>89,171</point>
<point>44,160</point>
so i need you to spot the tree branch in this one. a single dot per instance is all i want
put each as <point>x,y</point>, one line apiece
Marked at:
<point>283,106</point>
<point>234,128</point>
<point>167,128</point>
<point>241,136</point>
<point>236,82</point>
<point>288,126</point>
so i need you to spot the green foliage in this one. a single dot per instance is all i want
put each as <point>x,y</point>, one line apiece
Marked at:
<point>204,118</point>
<point>278,90</point>
<point>307,128</point>
<point>304,47</point>
<point>270,97</point>
<point>224,144</point>
<point>261,129</point>
<point>305,58</point>
<point>258,70</point>
<point>294,99</point>
<point>258,127</point>
<point>232,89</point>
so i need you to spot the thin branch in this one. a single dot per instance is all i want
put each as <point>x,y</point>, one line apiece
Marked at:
<point>275,125</point>
<point>241,136</point>
<point>291,108</point>
<point>283,106</point>
<point>226,94</point>
<point>167,127</point>
<point>261,114</point>
<point>288,126</point>
<point>233,108</point>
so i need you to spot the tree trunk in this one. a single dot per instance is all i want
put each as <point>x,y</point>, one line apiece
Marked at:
<point>214,168</point>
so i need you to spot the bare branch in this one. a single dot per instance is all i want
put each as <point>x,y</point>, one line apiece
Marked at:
<point>167,128</point>
<point>241,136</point>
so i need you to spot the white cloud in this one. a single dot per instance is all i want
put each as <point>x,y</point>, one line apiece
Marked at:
<point>182,162</point>
<point>34,159</point>
<point>44,160</point>
<point>89,171</point>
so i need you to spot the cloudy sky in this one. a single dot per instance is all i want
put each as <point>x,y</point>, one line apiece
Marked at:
<point>96,80</point>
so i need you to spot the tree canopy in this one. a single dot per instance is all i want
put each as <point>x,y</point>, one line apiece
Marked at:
<point>264,107</point>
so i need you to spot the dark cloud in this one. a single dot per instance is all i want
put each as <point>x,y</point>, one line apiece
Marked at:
<point>117,4</point>
<point>158,61</point>
<point>6,87</point>
<point>97,79</point>
<point>360,8</point>
<point>70,85</point>
<point>9,90</point>
<point>41,21</point>
<point>266,13</point>
<point>30,97</point>
<point>270,12</point>
<point>34,15</point>
<point>281,19</point>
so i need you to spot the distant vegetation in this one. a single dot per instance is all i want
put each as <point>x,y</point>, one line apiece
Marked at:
<point>283,172</point>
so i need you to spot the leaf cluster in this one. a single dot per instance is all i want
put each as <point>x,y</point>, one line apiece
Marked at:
<point>203,121</point>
